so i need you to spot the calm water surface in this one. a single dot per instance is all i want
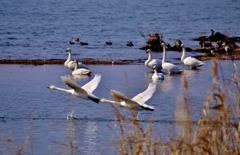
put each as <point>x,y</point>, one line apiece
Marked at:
<point>27,104</point>
<point>41,30</point>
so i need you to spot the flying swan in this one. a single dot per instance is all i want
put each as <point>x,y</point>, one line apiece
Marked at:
<point>191,62</point>
<point>84,92</point>
<point>80,71</point>
<point>70,64</point>
<point>153,62</point>
<point>169,67</point>
<point>137,102</point>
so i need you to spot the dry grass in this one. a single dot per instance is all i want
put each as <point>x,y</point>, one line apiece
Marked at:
<point>217,130</point>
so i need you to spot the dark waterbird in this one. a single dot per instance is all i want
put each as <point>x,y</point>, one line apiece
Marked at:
<point>130,44</point>
<point>74,41</point>
<point>83,43</point>
<point>108,43</point>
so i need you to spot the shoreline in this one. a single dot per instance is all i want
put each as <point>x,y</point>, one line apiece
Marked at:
<point>105,62</point>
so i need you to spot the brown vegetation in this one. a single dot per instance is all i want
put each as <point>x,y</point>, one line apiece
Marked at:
<point>217,130</point>
<point>61,61</point>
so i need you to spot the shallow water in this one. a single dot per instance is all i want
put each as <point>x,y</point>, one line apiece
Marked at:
<point>27,104</point>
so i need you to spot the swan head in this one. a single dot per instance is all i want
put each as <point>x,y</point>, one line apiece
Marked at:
<point>163,44</point>
<point>102,100</point>
<point>68,50</point>
<point>149,50</point>
<point>51,87</point>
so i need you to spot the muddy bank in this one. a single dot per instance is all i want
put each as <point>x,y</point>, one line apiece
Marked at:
<point>106,62</point>
<point>61,61</point>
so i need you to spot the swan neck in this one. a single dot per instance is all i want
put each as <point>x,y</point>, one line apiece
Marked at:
<point>76,66</point>
<point>108,101</point>
<point>149,58</point>
<point>164,54</point>
<point>155,71</point>
<point>183,53</point>
<point>62,89</point>
<point>69,56</point>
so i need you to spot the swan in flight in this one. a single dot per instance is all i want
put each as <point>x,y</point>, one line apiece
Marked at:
<point>137,102</point>
<point>190,61</point>
<point>84,92</point>
<point>80,71</point>
<point>156,75</point>
<point>169,67</point>
<point>70,64</point>
<point>153,62</point>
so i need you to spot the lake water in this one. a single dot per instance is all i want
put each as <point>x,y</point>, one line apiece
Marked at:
<point>42,29</point>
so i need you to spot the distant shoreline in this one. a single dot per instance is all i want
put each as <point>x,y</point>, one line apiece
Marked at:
<point>103,62</point>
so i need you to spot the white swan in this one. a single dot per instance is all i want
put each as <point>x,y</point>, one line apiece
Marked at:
<point>153,62</point>
<point>80,71</point>
<point>84,92</point>
<point>190,61</point>
<point>70,64</point>
<point>156,75</point>
<point>169,67</point>
<point>137,102</point>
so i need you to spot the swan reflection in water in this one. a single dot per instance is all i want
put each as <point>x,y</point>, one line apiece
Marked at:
<point>82,133</point>
<point>78,77</point>
<point>71,115</point>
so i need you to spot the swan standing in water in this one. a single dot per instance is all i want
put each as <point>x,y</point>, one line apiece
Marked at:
<point>80,71</point>
<point>70,64</point>
<point>169,67</point>
<point>84,92</point>
<point>153,62</point>
<point>156,75</point>
<point>193,63</point>
<point>137,102</point>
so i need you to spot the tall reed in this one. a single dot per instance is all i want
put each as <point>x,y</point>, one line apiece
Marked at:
<point>217,130</point>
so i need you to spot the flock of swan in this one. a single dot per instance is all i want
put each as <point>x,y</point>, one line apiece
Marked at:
<point>139,101</point>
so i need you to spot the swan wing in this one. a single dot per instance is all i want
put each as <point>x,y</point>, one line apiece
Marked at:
<point>81,65</point>
<point>146,95</point>
<point>70,83</point>
<point>190,61</point>
<point>119,96</point>
<point>155,62</point>
<point>81,71</point>
<point>92,85</point>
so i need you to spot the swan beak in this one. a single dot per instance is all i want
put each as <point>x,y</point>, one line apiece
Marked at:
<point>50,87</point>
